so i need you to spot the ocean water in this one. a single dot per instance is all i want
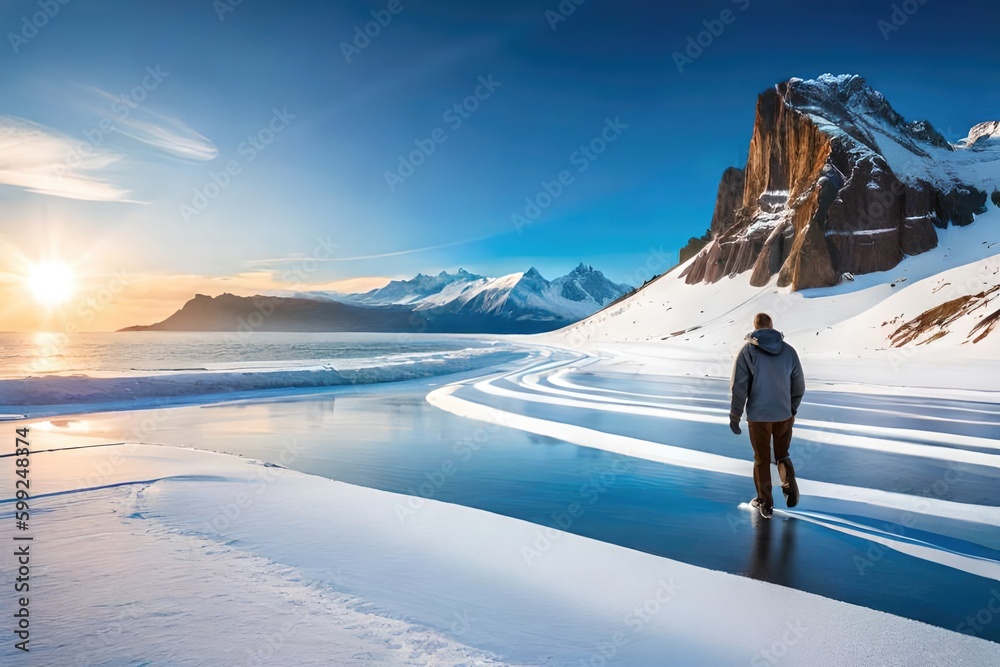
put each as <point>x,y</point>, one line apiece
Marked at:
<point>131,353</point>
<point>81,372</point>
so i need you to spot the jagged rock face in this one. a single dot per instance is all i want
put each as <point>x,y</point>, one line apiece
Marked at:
<point>729,200</point>
<point>961,205</point>
<point>819,198</point>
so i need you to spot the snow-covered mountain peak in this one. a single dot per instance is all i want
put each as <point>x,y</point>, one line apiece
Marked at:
<point>848,105</point>
<point>531,281</point>
<point>837,182</point>
<point>515,297</point>
<point>532,274</point>
<point>983,134</point>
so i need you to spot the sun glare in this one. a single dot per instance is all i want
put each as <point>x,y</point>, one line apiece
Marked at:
<point>51,283</point>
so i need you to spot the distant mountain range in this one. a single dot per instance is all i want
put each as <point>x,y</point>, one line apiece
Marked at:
<point>460,302</point>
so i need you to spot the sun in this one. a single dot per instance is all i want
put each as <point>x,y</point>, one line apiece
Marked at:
<point>51,283</point>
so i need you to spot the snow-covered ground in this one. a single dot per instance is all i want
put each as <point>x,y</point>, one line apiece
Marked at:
<point>842,333</point>
<point>155,554</point>
<point>188,557</point>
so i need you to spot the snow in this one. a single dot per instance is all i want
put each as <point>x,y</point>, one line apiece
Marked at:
<point>670,327</point>
<point>472,294</point>
<point>495,288</point>
<point>989,130</point>
<point>242,563</point>
<point>862,232</point>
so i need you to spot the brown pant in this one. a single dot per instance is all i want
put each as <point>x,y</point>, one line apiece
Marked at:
<point>760,438</point>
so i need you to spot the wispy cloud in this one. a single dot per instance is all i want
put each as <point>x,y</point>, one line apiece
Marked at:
<point>34,157</point>
<point>166,133</point>
<point>45,161</point>
<point>381,255</point>
<point>171,136</point>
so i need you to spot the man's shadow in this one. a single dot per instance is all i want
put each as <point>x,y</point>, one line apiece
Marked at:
<point>772,560</point>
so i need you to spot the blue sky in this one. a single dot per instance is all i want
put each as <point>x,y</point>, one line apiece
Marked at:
<point>342,125</point>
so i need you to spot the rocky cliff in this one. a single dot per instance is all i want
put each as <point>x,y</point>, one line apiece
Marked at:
<point>837,182</point>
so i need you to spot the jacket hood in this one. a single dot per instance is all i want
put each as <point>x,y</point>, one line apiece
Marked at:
<point>768,340</point>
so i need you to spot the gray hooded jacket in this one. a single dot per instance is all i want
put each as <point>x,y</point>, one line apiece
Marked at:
<point>767,378</point>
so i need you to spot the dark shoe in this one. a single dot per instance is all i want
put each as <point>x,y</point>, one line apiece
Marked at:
<point>764,510</point>
<point>789,487</point>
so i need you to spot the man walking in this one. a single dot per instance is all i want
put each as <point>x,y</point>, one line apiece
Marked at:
<point>767,379</point>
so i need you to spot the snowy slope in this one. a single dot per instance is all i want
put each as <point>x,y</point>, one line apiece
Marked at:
<point>853,320</point>
<point>246,564</point>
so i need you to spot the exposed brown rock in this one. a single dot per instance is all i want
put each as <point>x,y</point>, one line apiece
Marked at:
<point>818,199</point>
<point>938,317</point>
<point>933,322</point>
<point>985,327</point>
<point>776,250</point>
<point>728,200</point>
<point>787,151</point>
<point>864,219</point>
<point>694,246</point>
<point>809,263</point>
